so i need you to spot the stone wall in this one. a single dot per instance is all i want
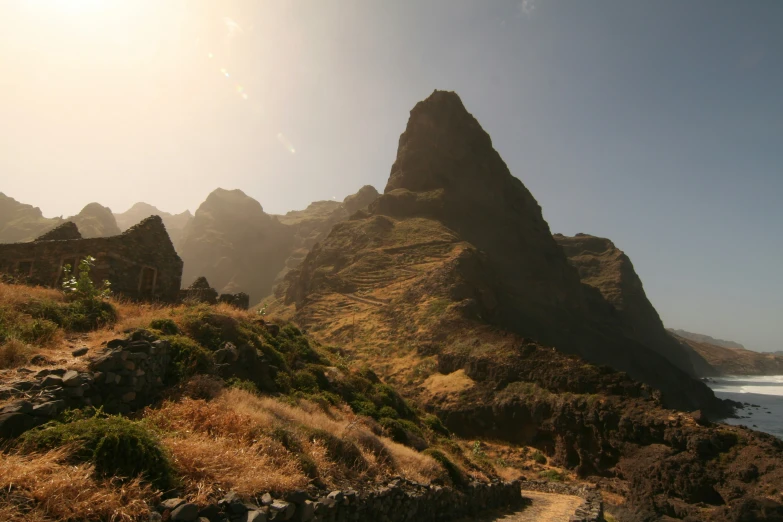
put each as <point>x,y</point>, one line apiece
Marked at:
<point>141,263</point>
<point>127,376</point>
<point>398,501</point>
<point>591,510</point>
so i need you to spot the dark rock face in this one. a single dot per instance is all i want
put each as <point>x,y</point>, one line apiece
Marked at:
<point>140,263</point>
<point>605,267</point>
<point>67,230</point>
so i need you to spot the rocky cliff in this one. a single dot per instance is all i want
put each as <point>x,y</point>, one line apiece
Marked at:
<point>453,224</point>
<point>606,268</point>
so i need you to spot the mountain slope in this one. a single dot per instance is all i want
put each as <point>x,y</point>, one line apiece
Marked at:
<point>21,222</point>
<point>455,230</point>
<point>95,220</point>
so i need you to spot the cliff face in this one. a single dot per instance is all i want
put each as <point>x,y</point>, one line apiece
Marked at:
<point>606,268</point>
<point>234,244</point>
<point>454,223</point>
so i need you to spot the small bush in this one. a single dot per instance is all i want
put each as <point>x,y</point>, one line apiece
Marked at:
<point>539,457</point>
<point>455,474</point>
<point>242,384</point>
<point>188,358</point>
<point>75,316</point>
<point>305,381</point>
<point>114,445</point>
<point>204,387</point>
<point>553,475</point>
<point>37,331</point>
<point>287,439</point>
<point>14,353</point>
<point>435,424</point>
<point>388,412</point>
<point>165,326</point>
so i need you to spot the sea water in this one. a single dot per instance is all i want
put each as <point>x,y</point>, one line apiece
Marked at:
<point>763,394</point>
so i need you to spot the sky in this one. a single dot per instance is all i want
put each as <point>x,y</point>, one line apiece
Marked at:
<point>656,124</point>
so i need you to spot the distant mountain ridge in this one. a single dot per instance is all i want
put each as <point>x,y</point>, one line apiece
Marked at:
<point>701,338</point>
<point>21,222</point>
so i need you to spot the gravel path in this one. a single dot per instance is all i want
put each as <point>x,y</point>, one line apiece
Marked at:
<point>546,507</point>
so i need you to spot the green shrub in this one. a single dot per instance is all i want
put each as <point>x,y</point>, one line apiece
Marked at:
<point>305,381</point>
<point>75,316</point>
<point>165,326</point>
<point>283,382</point>
<point>287,439</point>
<point>539,457</point>
<point>37,331</point>
<point>243,384</point>
<point>435,424</point>
<point>114,445</point>
<point>388,412</point>
<point>553,475</point>
<point>455,474</point>
<point>362,406</point>
<point>188,358</point>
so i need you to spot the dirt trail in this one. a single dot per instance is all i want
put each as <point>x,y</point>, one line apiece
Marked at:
<point>546,507</point>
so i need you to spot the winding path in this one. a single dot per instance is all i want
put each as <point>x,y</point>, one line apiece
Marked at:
<point>546,507</point>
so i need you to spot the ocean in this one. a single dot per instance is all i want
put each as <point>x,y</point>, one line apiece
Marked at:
<point>764,394</point>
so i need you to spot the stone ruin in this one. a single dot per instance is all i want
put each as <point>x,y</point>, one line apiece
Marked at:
<point>140,263</point>
<point>200,292</point>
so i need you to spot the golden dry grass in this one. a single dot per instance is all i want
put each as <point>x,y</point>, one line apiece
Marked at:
<point>44,487</point>
<point>232,442</point>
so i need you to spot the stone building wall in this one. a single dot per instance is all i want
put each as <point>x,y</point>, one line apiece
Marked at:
<point>141,263</point>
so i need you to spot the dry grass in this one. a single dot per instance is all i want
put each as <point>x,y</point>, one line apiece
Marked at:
<point>234,442</point>
<point>43,487</point>
<point>14,353</point>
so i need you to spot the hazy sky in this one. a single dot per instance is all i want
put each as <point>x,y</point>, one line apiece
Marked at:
<point>657,124</point>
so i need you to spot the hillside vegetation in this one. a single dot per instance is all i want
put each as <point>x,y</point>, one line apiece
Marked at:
<point>312,418</point>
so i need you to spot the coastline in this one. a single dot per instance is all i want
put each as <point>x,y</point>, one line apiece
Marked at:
<point>761,397</point>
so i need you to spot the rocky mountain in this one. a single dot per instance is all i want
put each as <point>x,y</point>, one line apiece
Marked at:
<point>606,268</point>
<point>454,230</point>
<point>701,338</point>
<point>175,223</point>
<point>239,247</point>
<point>21,222</point>
<point>724,360</point>
<point>95,220</point>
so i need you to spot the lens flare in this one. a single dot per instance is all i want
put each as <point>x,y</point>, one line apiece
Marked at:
<point>287,144</point>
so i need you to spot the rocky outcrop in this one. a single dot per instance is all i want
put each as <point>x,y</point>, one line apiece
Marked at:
<point>127,376</point>
<point>606,268</point>
<point>175,223</point>
<point>452,205</point>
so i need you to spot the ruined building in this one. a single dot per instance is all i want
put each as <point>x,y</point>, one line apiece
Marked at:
<point>140,263</point>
